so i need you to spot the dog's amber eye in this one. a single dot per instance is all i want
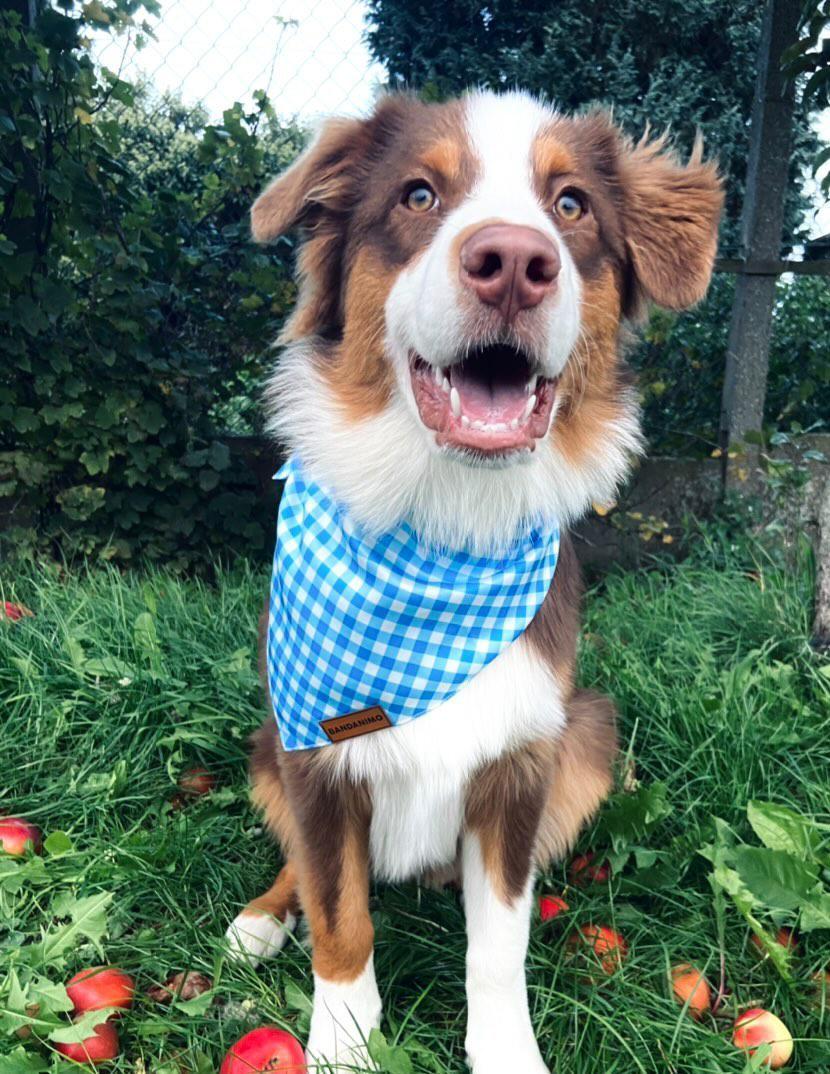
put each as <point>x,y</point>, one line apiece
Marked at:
<point>569,206</point>
<point>420,198</point>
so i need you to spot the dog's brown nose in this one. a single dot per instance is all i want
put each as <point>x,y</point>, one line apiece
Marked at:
<point>509,266</point>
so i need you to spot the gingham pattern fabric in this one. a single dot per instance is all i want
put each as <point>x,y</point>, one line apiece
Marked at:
<point>357,621</point>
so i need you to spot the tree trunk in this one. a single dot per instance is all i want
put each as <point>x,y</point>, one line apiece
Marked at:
<point>821,626</point>
<point>747,359</point>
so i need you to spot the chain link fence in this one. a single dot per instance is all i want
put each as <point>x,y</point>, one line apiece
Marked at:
<point>309,57</point>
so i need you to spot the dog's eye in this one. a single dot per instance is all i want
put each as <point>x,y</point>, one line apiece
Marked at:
<point>420,198</point>
<point>569,206</point>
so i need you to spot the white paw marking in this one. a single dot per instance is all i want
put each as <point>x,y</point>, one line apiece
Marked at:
<point>499,1033</point>
<point>494,1048</point>
<point>253,936</point>
<point>341,1020</point>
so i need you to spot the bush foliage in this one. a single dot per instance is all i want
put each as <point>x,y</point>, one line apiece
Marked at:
<point>133,306</point>
<point>680,365</point>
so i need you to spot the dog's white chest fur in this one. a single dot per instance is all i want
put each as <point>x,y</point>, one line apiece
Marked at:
<point>417,773</point>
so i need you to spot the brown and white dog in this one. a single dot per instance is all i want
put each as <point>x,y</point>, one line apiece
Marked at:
<point>454,360</point>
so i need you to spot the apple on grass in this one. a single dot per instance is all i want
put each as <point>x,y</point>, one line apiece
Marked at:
<point>100,986</point>
<point>551,906</point>
<point>266,1048</point>
<point>100,1047</point>
<point>756,1027</point>
<point>14,612</point>
<point>585,870</point>
<point>602,944</point>
<point>16,833</point>
<point>691,989</point>
<point>196,782</point>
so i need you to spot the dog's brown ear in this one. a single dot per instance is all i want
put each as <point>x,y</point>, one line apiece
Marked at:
<point>319,178</point>
<point>317,193</point>
<point>671,213</point>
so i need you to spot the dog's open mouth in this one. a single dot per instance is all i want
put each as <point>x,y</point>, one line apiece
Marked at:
<point>492,402</point>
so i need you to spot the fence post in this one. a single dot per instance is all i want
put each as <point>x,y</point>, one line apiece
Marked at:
<point>821,623</point>
<point>747,358</point>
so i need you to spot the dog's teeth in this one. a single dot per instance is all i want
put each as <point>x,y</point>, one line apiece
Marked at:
<point>455,402</point>
<point>465,421</point>
<point>445,384</point>
<point>478,424</point>
<point>438,373</point>
<point>530,387</point>
<point>528,410</point>
<point>514,424</point>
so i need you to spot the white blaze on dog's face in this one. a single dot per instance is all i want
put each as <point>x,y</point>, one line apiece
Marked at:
<point>482,323</point>
<point>465,273</point>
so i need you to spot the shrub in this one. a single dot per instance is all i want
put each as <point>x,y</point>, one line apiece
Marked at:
<point>132,304</point>
<point>681,361</point>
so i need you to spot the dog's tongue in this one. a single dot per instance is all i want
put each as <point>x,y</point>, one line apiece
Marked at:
<point>487,398</point>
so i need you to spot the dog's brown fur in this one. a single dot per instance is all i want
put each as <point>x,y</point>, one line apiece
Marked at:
<point>527,807</point>
<point>650,236</point>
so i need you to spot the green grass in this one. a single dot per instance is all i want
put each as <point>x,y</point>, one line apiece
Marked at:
<point>119,683</point>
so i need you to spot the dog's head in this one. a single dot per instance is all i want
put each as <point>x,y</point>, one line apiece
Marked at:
<point>465,272</point>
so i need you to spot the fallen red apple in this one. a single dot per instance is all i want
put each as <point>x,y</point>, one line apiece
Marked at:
<point>14,612</point>
<point>584,870</point>
<point>16,833</point>
<point>99,987</point>
<point>196,781</point>
<point>691,989</point>
<point>608,946</point>
<point>756,1027</point>
<point>98,1048</point>
<point>551,906</point>
<point>266,1048</point>
<point>784,938</point>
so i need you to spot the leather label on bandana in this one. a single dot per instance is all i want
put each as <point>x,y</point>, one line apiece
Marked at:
<point>339,728</point>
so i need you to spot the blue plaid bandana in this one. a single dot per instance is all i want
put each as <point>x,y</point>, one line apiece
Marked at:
<point>367,632</point>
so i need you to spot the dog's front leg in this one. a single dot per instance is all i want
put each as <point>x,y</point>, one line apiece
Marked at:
<point>332,858</point>
<point>498,875</point>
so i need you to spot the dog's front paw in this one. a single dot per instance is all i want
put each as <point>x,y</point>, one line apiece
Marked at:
<point>336,1057</point>
<point>492,1050</point>
<point>343,1016</point>
<point>252,937</point>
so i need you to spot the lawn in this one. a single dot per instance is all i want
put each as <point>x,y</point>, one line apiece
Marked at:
<point>119,683</point>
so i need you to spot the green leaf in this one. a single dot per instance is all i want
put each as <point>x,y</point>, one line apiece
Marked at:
<point>146,640</point>
<point>390,1058</point>
<point>109,667</point>
<point>50,997</point>
<point>815,912</point>
<point>780,828</point>
<point>775,878</point>
<point>296,999</point>
<point>77,656</point>
<point>208,480</point>
<point>58,843</point>
<point>198,1006</point>
<point>87,919</point>
<point>78,1031</point>
<point>628,818</point>
<point>21,1061</point>
<point>219,455</point>
<point>96,460</point>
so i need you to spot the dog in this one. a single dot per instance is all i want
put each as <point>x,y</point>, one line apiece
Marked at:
<point>467,271</point>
